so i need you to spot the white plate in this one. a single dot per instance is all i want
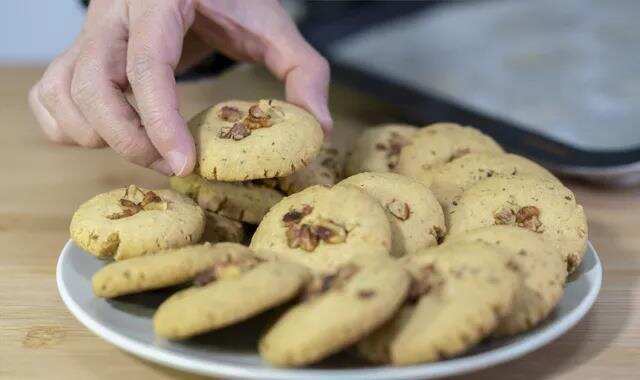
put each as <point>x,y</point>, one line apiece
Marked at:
<point>126,323</point>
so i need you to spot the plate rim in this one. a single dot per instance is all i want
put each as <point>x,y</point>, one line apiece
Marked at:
<point>456,366</point>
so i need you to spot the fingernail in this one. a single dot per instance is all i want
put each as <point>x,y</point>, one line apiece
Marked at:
<point>162,167</point>
<point>177,161</point>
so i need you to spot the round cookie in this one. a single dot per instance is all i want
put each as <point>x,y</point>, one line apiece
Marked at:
<point>449,181</point>
<point>325,170</point>
<point>377,149</point>
<point>340,309</point>
<point>246,201</point>
<point>133,221</point>
<point>162,269</point>
<point>541,268</point>
<point>540,205</point>
<point>240,293</point>
<point>461,292</point>
<point>239,140</point>
<point>439,143</point>
<point>415,217</point>
<point>323,228</point>
<point>220,229</point>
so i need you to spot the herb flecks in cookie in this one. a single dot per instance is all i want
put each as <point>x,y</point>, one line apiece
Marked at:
<point>227,268</point>
<point>399,209</point>
<point>334,281</point>
<point>130,207</point>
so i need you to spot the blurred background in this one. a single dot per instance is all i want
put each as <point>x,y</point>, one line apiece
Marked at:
<point>556,80</point>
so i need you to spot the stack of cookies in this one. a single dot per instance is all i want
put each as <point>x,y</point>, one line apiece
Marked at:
<point>435,240</point>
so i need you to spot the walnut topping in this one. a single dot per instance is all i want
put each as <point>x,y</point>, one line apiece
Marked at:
<point>528,217</point>
<point>263,115</point>
<point>237,132</point>
<point>231,114</point>
<point>393,147</point>
<point>301,236</point>
<point>226,268</point>
<point>504,216</point>
<point>295,216</point>
<point>399,209</point>
<point>329,231</point>
<point>333,281</point>
<point>129,206</point>
<point>308,235</point>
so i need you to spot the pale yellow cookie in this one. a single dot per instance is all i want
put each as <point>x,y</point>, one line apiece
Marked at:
<point>325,170</point>
<point>377,149</point>
<point>162,269</point>
<point>439,143</point>
<point>340,309</point>
<point>543,206</point>
<point>239,140</point>
<point>245,201</point>
<point>450,180</point>
<point>240,293</point>
<point>462,291</point>
<point>324,227</point>
<point>537,262</point>
<point>415,217</point>
<point>133,221</point>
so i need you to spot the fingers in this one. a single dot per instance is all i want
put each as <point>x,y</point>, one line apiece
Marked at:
<point>261,30</point>
<point>54,93</point>
<point>154,48</point>
<point>47,123</point>
<point>96,88</point>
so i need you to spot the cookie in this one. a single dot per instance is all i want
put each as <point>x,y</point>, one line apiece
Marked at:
<point>540,205</point>
<point>246,201</point>
<point>162,269</point>
<point>377,149</point>
<point>339,309</point>
<point>541,268</point>
<point>227,295</point>
<point>220,229</point>
<point>323,228</point>
<point>461,291</point>
<point>440,143</point>
<point>325,170</point>
<point>133,221</point>
<point>239,140</point>
<point>415,217</point>
<point>449,181</point>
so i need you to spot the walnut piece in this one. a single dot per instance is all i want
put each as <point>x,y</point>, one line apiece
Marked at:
<point>263,115</point>
<point>227,268</point>
<point>329,231</point>
<point>528,217</point>
<point>237,132</point>
<point>231,114</point>
<point>295,216</point>
<point>334,281</point>
<point>504,216</point>
<point>399,209</point>
<point>301,236</point>
<point>129,206</point>
<point>393,147</point>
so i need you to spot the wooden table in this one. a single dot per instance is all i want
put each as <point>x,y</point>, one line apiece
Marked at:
<point>42,184</point>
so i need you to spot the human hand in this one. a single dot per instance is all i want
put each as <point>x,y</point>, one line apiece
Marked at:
<point>138,45</point>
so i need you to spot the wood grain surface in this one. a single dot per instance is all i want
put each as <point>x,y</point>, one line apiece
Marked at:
<point>42,184</point>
